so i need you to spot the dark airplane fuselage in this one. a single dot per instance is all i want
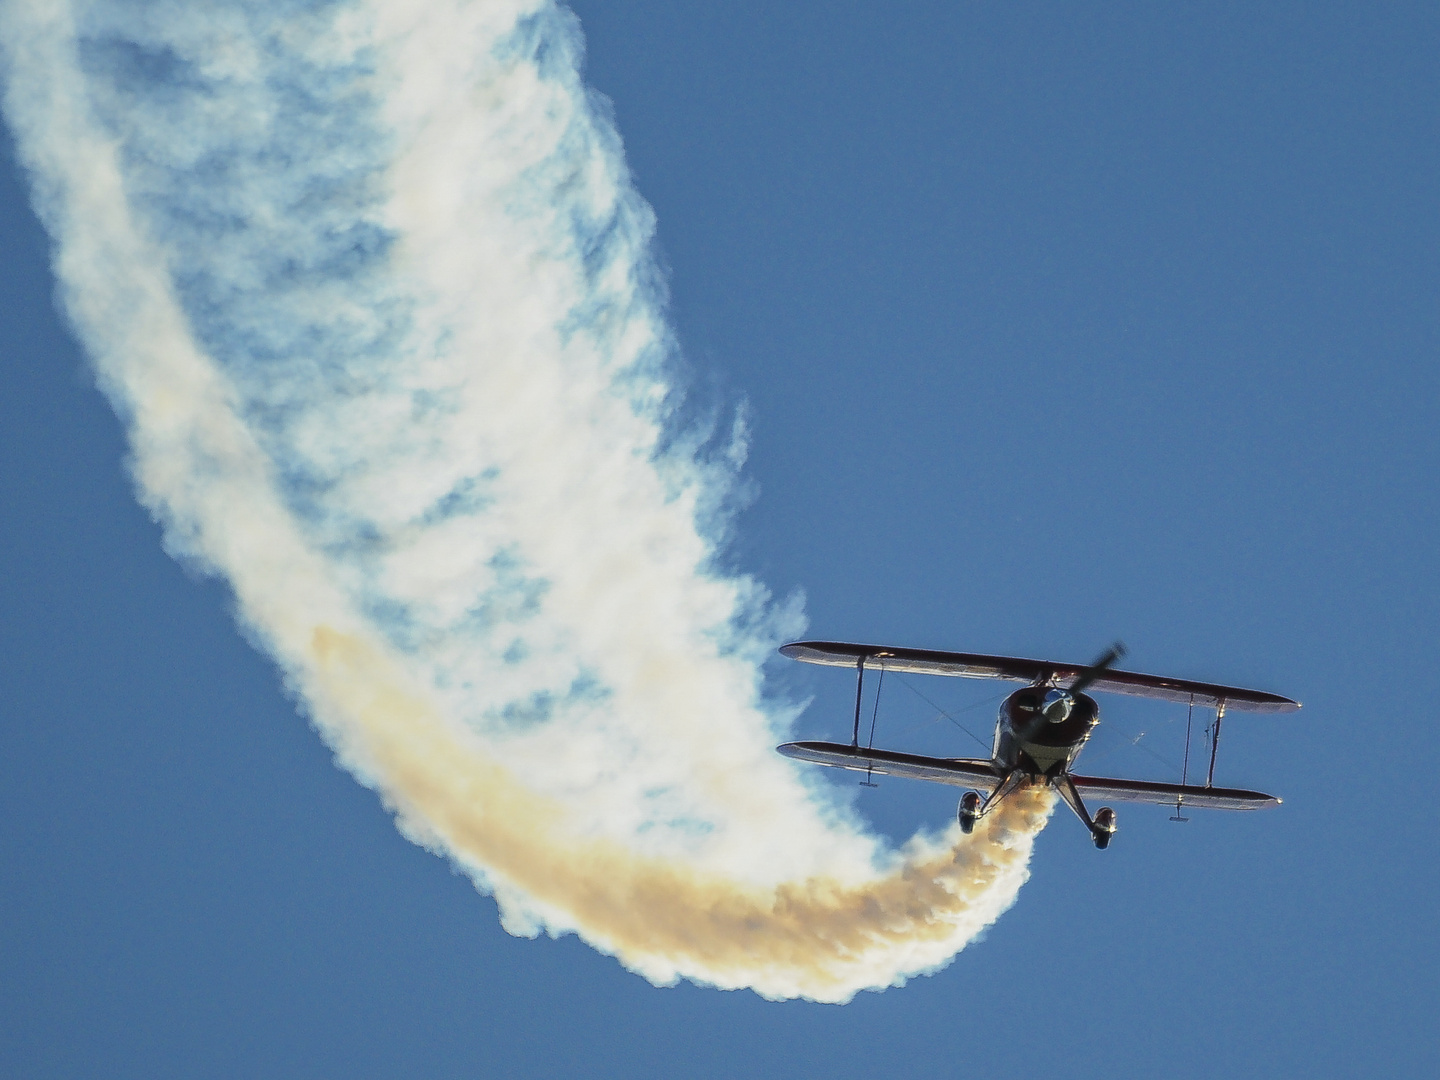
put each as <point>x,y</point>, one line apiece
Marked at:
<point>1040,745</point>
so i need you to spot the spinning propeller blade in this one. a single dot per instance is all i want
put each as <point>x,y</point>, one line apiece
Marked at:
<point>1095,670</point>
<point>1058,703</point>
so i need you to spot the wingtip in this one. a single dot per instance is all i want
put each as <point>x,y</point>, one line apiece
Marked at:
<point>796,650</point>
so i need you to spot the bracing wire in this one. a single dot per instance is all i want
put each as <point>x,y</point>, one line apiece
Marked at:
<point>1130,740</point>
<point>875,712</point>
<point>947,716</point>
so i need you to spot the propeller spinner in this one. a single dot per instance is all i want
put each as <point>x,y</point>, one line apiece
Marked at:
<point>1058,703</point>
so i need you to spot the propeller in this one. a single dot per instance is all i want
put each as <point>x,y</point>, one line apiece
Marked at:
<point>1058,703</point>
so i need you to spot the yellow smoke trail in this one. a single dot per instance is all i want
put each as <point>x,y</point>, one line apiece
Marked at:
<point>649,813</point>
<point>817,938</point>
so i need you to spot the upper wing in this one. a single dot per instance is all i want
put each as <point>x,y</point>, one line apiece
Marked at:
<point>978,666</point>
<point>961,772</point>
<point>1145,791</point>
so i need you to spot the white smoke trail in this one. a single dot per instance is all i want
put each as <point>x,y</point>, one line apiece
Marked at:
<point>372,289</point>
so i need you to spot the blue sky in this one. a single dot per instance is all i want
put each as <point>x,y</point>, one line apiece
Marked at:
<point>1057,325</point>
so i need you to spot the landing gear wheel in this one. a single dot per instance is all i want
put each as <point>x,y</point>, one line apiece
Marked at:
<point>1104,827</point>
<point>969,808</point>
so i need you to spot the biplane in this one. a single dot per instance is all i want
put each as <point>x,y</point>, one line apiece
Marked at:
<point>1041,730</point>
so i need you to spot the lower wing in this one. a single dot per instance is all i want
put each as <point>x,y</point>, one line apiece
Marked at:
<point>982,775</point>
<point>961,772</point>
<point>1146,791</point>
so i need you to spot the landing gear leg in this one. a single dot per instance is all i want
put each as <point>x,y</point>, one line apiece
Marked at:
<point>972,809</point>
<point>1102,826</point>
<point>1013,779</point>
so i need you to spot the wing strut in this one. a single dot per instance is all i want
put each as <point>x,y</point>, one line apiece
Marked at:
<point>1215,742</point>
<point>859,689</point>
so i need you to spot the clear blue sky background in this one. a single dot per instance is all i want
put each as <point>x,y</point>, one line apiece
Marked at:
<point>1059,322</point>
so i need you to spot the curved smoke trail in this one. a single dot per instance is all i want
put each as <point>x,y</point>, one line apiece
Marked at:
<point>372,290</point>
